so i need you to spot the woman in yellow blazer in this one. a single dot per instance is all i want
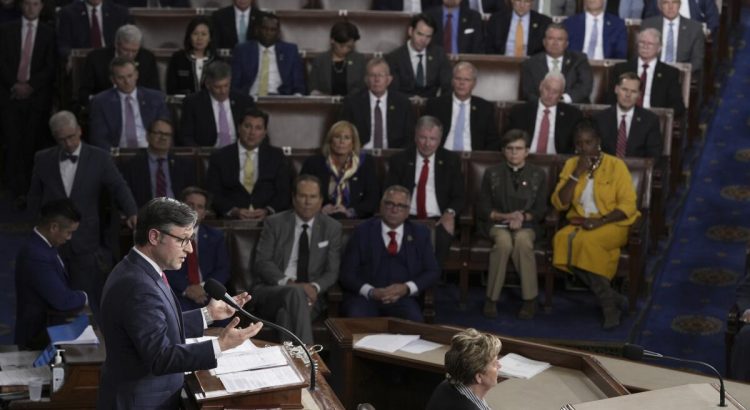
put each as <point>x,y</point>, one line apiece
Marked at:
<point>597,192</point>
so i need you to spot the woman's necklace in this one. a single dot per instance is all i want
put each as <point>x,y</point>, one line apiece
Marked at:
<point>338,66</point>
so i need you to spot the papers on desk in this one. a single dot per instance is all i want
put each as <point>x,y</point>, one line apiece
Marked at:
<point>517,366</point>
<point>257,359</point>
<point>77,332</point>
<point>390,343</point>
<point>246,346</point>
<point>22,377</point>
<point>258,379</point>
<point>18,360</point>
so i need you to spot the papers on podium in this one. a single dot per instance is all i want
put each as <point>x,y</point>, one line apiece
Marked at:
<point>517,366</point>
<point>257,379</point>
<point>253,360</point>
<point>390,343</point>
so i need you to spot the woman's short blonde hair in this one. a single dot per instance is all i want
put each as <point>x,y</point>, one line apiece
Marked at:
<point>469,354</point>
<point>335,130</point>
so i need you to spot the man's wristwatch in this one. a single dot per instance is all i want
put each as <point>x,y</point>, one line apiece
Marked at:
<point>207,316</point>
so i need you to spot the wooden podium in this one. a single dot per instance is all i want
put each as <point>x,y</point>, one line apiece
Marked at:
<point>688,396</point>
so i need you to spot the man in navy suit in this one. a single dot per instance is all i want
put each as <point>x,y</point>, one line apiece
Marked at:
<point>506,24</point>
<point>458,28</point>
<point>147,356</point>
<point>702,11</point>
<point>120,116</point>
<point>249,179</point>
<point>41,280</point>
<point>89,24</point>
<point>80,172</point>
<point>156,171</point>
<point>598,34</point>
<point>209,259</point>
<point>388,262</point>
<point>235,24</point>
<point>268,65</point>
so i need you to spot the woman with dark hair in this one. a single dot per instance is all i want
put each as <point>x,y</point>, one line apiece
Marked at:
<point>596,192</point>
<point>340,70</point>
<point>185,69</point>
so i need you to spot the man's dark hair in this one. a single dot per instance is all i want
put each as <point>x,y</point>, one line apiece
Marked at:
<point>191,190</point>
<point>344,31</point>
<point>217,71</point>
<point>164,120</point>
<point>308,178</point>
<point>426,19</point>
<point>254,112</point>
<point>162,214</point>
<point>59,210</point>
<point>118,62</point>
<point>586,126</point>
<point>628,75</point>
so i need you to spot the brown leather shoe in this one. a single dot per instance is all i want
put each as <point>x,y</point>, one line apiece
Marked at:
<point>528,310</point>
<point>490,309</point>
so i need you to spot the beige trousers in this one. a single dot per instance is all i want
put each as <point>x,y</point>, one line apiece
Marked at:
<point>518,245</point>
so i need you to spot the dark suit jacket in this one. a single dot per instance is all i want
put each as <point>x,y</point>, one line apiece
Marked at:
<point>245,67</point>
<point>43,62</point>
<point>399,117</point>
<point>365,250</point>
<point>691,43</point>
<point>213,260</point>
<point>644,138</point>
<point>181,77</point>
<point>73,29</point>
<point>95,76</point>
<point>398,5</point>
<point>105,118</point>
<point>449,181</point>
<point>145,332</point>
<point>272,189</point>
<point>447,397</point>
<point>364,195</point>
<point>523,117</point>
<point>666,91</point>
<point>470,31</point>
<point>198,124</point>
<point>703,11</point>
<point>484,135</point>
<point>499,24</point>
<point>41,285</point>
<point>320,73</point>
<point>225,27</point>
<point>136,174</point>
<point>438,72</point>
<point>575,68</point>
<point>162,3</point>
<point>614,35</point>
<point>96,171</point>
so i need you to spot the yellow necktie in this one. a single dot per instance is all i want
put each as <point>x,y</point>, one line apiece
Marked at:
<point>263,85</point>
<point>248,178</point>
<point>518,49</point>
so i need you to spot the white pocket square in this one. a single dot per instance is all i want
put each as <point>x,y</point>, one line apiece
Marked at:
<point>322,244</point>
<point>468,31</point>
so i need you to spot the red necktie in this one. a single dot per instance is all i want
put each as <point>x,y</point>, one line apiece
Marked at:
<point>194,277</point>
<point>392,244</point>
<point>644,78</point>
<point>161,179</point>
<point>622,138</point>
<point>96,32</point>
<point>541,146</point>
<point>422,190</point>
<point>448,34</point>
<point>28,47</point>
<point>164,279</point>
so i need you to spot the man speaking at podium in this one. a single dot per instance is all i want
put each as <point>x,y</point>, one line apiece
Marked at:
<point>143,327</point>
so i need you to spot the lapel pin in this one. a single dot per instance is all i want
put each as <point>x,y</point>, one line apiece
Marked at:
<point>440,162</point>
<point>658,74</point>
<point>409,238</point>
<point>350,62</point>
<point>562,114</point>
<point>638,119</point>
<point>524,183</point>
<point>535,25</point>
<point>391,107</point>
<point>429,58</point>
<point>473,107</point>
<point>354,178</point>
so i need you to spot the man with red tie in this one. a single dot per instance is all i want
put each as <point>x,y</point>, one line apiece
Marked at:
<point>388,262</point>
<point>209,259</point>
<point>89,24</point>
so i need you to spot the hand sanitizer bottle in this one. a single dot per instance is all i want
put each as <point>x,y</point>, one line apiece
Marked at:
<point>58,371</point>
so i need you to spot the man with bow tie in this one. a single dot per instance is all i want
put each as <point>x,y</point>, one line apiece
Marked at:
<point>81,173</point>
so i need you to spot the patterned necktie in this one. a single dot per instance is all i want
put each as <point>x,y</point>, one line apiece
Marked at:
<point>420,72</point>
<point>131,137</point>
<point>669,51</point>
<point>422,189</point>
<point>644,79</point>
<point>555,65</point>
<point>458,131</point>
<point>378,130</point>
<point>541,146</point>
<point>303,255</point>
<point>242,33</point>
<point>448,34</point>
<point>392,244</point>
<point>248,179</point>
<point>591,52</point>
<point>28,47</point>
<point>96,32</point>
<point>518,50</point>
<point>622,138</point>
<point>161,179</point>
<point>264,69</point>
<point>194,276</point>
<point>224,137</point>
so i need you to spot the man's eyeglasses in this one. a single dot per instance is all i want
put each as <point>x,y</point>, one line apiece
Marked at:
<point>400,207</point>
<point>182,241</point>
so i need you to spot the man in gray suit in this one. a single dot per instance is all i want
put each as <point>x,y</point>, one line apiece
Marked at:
<point>297,260</point>
<point>682,38</point>
<point>80,172</point>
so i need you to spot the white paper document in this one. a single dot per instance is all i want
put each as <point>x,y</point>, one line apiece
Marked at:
<point>258,379</point>
<point>86,338</point>
<point>257,359</point>
<point>385,342</point>
<point>513,365</point>
<point>18,360</point>
<point>22,377</point>
<point>420,346</point>
<point>245,347</point>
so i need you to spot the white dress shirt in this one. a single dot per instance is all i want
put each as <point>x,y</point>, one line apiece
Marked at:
<point>68,171</point>
<point>414,58</point>
<point>599,49</point>
<point>650,72</point>
<point>140,130</point>
<point>243,153</point>
<point>98,18</point>
<point>365,289</point>
<point>216,105</point>
<point>628,119</point>
<point>538,126</point>
<point>449,141</point>
<point>274,77</point>
<point>685,8</point>
<point>384,113</point>
<point>413,6</point>
<point>431,204</point>
<point>664,34</point>
<point>290,273</point>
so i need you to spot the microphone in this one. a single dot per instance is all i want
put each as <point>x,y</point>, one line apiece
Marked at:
<point>217,291</point>
<point>636,352</point>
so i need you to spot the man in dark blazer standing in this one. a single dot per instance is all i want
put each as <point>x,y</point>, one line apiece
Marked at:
<point>420,67</point>
<point>556,57</point>
<point>297,260</point>
<point>611,37</point>
<point>249,179</point>
<point>27,76</point>
<point>89,24</point>
<point>388,261</point>
<point>383,117</point>
<point>688,45</point>
<point>209,259</point>
<point>236,23</point>
<point>155,171</point>
<point>147,356</point>
<point>503,26</point>
<point>202,129</point>
<point>476,128</point>
<point>626,129</point>
<point>42,283</point>
<point>553,134</point>
<point>433,175</point>
<point>80,172</point>
<point>458,28</point>
<point>120,116</point>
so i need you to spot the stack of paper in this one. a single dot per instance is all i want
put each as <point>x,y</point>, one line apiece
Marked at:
<point>385,342</point>
<point>18,360</point>
<point>257,359</point>
<point>22,377</point>
<point>258,379</point>
<point>513,365</point>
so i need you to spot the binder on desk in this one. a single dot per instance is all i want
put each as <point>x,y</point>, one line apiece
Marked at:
<point>79,331</point>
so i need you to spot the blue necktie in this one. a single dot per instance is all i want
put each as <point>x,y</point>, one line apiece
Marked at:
<point>670,45</point>
<point>592,40</point>
<point>458,131</point>
<point>242,33</point>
